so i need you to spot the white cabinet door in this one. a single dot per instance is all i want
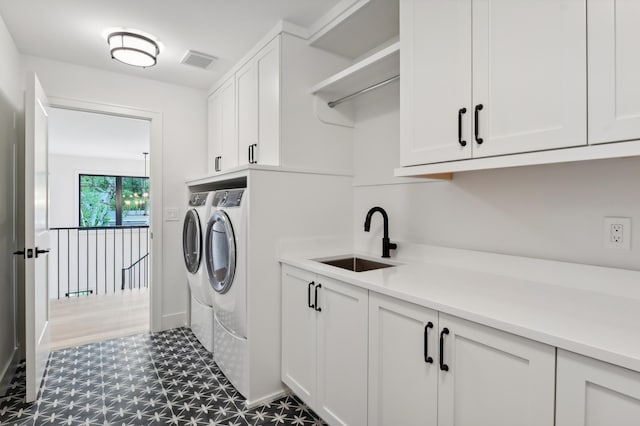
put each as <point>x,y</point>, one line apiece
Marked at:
<point>529,75</point>
<point>614,67</point>
<point>492,378</point>
<point>227,132</point>
<point>342,353</point>
<point>403,363</point>
<point>299,333</point>
<point>247,98</point>
<point>595,393</point>
<point>268,70</point>
<point>214,132</point>
<point>435,89</point>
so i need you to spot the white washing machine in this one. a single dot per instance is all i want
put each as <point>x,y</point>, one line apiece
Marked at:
<point>195,222</point>
<point>226,263</point>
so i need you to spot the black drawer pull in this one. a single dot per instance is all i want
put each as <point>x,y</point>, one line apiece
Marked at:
<point>479,108</point>
<point>317,308</point>
<point>309,304</point>
<point>443,366</point>
<point>461,111</point>
<point>427,358</point>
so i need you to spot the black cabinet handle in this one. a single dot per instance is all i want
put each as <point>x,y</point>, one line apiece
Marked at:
<point>217,163</point>
<point>427,358</point>
<point>309,304</point>
<point>250,154</point>
<point>317,308</point>
<point>443,366</point>
<point>479,108</point>
<point>253,153</point>
<point>461,111</point>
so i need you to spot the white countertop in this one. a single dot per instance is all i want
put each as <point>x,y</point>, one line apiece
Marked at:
<point>593,323</point>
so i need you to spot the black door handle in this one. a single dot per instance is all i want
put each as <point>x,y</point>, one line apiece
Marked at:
<point>309,304</point>
<point>478,108</point>
<point>41,251</point>
<point>19,253</point>
<point>443,366</point>
<point>317,308</point>
<point>461,111</point>
<point>427,358</point>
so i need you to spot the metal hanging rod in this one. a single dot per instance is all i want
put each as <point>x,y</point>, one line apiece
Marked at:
<point>332,104</point>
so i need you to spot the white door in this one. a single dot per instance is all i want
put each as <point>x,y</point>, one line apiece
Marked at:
<point>228,123</point>
<point>342,353</point>
<point>247,99</point>
<point>529,75</point>
<point>492,378</point>
<point>299,352</point>
<point>214,133</point>
<point>403,363</point>
<point>268,69</point>
<point>595,393</point>
<point>36,196</point>
<point>614,66</point>
<point>435,88</point>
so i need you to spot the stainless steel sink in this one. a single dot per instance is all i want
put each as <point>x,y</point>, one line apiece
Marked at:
<point>356,264</point>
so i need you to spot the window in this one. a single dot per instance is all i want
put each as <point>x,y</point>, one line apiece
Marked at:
<point>113,201</point>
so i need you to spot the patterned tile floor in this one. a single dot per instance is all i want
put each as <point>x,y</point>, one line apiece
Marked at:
<point>163,378</point>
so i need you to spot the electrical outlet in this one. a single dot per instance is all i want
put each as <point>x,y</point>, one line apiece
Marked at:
<point>617,233</point>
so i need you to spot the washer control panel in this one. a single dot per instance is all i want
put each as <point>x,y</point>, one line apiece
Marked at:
<point>228,198</point>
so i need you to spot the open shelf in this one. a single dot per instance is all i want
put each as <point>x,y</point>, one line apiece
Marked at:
<point>378,67</point>
<point>355,27</point>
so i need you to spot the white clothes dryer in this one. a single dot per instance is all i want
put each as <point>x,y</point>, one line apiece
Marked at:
<point>226,263</point>
<point>195,221</point>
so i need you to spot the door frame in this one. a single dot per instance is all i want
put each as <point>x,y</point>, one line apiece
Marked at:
<point>155,193</point>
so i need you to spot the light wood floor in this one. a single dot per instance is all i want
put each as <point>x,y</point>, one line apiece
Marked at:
<point>88,319</point>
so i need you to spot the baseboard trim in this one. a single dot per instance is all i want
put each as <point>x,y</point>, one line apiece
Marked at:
<point>6,374</point>
<point>269,398</point>
<point>176,320</point>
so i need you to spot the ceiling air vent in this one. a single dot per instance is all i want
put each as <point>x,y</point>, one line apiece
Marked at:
<point>198,59</point>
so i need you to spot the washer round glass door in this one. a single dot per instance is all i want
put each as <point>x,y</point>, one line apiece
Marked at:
<point>192,241</point>
<point>220,252</point>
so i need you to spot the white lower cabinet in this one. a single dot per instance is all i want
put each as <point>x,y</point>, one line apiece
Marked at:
<point>455,373</point>
<point>595,393</point>
<point>493,378</point>
<point>403,363</point>
<point>324,345</point>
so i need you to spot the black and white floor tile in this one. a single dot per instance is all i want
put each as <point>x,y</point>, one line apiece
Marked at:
<point>163,378</point>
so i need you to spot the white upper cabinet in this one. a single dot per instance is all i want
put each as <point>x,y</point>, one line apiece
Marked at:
<point>258,95</point>
<point>274,120</point>
<point>435,89</point>
<point>223,147</point>
<point>492,378</point>
<point>614,67</point>
<point>518,66</point>
<point>595,393</point>
<point>529,75</point>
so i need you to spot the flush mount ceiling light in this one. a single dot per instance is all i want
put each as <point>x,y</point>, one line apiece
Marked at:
<point>133,49</point>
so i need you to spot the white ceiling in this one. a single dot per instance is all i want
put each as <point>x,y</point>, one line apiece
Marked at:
<point>86,134</point>
<point>72,30</point>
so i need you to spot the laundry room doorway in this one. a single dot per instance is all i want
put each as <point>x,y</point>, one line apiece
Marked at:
<point>102,207</point>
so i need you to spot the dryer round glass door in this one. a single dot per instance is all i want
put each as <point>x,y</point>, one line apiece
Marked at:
<point>192,241</point>
<point>220,252</point>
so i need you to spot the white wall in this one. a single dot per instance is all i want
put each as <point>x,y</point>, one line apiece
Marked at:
<point>64,171</point>
<point>184,132</point>
<point>551,212</point>
<point>10,103</point>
